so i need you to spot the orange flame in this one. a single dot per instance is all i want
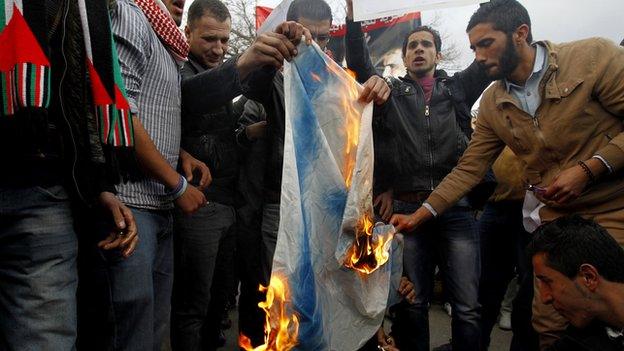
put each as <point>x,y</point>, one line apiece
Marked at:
<point>280,329</point>
<point>351,73</point>
<point>352,119</point>
<point>352,126</point>
<point>315,76</point>
<point>368,252</point>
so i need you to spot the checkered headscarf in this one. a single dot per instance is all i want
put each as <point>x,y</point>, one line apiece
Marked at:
<point>165,28</point>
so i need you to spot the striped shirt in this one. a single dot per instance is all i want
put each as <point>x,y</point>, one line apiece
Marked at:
<point>152,79</point>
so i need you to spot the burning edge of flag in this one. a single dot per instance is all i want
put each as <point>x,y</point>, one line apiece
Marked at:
<point>281,327</point>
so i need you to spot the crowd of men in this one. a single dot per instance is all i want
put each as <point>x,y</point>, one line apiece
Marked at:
<point>116,245</point>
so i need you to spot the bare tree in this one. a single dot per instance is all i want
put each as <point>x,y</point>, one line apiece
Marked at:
<point>243,25</point>
<point>451,54</point>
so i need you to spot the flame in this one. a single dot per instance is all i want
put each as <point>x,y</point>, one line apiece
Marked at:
<point>352,124</point>
<point>369,251</point>
<point>352,119</point>
<point>315,76</point>
<point>280,329</point>
<point>351,73</point>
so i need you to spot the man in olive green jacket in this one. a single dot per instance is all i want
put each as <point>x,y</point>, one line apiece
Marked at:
<point>559,107</point>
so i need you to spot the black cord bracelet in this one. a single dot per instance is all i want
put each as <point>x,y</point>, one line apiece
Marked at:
<point>588,171</point>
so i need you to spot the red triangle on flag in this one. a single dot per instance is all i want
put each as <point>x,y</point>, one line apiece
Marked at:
<point>100,95</point>
<point>19,45</point>
<point>262,13</point>
<point>120,100</point>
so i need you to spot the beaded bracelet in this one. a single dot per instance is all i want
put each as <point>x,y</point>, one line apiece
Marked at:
<point>179,189</point>
<point>587,171</point>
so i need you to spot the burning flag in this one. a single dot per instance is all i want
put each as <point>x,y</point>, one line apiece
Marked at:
<point>281,327</point>
<point>334,266</point>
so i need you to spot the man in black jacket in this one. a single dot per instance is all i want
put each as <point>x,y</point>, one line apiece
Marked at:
<point>424,128</point>
<point>205,242</point>
<point>316,16</point>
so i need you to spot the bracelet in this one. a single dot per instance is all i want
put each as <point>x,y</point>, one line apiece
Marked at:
<point>587,171</point>
<point>179,189</point>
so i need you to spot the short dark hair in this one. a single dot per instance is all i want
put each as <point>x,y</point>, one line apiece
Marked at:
<point>215,8</point>
<point>315,10</point>
<point>437,40</point>
<point>571,241</point>
<point>504,15</point>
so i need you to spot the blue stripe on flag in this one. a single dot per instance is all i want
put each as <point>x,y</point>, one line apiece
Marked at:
<point>311,153</point>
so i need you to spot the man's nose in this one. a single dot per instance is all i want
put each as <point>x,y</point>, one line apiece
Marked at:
<point>218,49</point>
<point>479,56</point>
<point>545,295</point>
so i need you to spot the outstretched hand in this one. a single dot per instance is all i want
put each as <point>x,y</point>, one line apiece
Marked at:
<point>375,89</point>
<point>408,223</point>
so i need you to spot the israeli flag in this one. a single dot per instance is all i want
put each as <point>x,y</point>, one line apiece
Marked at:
<point>326,186</point>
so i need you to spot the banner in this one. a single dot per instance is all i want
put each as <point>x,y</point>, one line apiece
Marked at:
<point>262,12</point>
<point>275,18</point>
<point>370,9</point>
<point>385,40</point>
<point>326,194</point>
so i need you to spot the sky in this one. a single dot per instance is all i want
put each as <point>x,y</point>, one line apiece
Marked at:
<point>555,20</point>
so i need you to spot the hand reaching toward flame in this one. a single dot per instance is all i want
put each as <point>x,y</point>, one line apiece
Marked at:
<point>375,89</point>
<point>408,223</point>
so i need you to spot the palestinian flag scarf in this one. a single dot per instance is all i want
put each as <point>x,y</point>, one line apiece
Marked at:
<point>25,67</point>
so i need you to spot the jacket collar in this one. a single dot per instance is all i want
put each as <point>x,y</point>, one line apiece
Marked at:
<point>551,90</point>
<point>538,66</point>
<point>438,74</point>
<point>195,65</point>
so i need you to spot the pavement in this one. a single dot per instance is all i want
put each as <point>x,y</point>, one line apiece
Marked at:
<point>439,325</point>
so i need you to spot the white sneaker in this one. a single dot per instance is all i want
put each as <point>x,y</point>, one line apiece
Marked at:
<point>504,322</point>
<point>448,309</point>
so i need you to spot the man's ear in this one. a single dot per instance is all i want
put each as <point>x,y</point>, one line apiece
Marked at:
<point>187,32</point>
<point>439,57</point>
<point>521,34</point>
<point>589,276</point>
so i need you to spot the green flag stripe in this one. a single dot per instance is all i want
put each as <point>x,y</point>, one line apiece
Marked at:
<point>32,71</point>
<point>3,19</point>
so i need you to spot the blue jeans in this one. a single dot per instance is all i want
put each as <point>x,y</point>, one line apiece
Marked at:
<point>454,237</point>
<point>203,241</point>
<point>132,296</point>
<point>38,277</point>
<point>503,253</point>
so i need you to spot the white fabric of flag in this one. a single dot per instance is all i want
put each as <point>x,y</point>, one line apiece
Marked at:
<point>326,185</point>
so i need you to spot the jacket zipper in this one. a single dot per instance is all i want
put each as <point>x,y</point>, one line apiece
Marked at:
<point>427,118</point>
<point>429,138</point>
